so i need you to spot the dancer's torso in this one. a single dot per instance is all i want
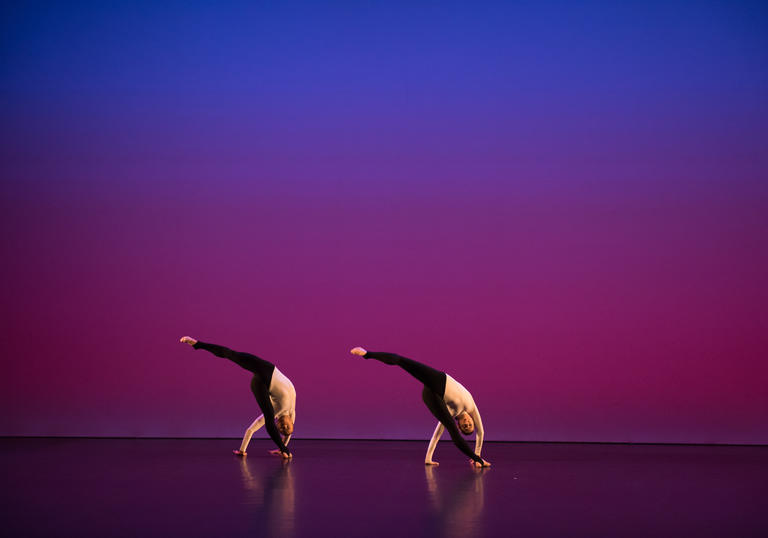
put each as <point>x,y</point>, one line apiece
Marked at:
<point>457,398</point>
<point>282,394</point>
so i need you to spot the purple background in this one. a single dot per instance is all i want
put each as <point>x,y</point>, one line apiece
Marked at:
<point>564,206</point>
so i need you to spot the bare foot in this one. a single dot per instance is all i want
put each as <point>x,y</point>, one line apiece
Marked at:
<point>485,463</point>
<point>239,453</point>
<point>431,463</point>
<point>358,351</point>
<point>188,340</point>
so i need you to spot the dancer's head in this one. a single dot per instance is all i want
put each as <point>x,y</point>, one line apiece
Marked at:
<point>466,424</point>
<point>285,425</point>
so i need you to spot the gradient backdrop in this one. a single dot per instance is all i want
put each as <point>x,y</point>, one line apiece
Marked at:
<point>564,205</point>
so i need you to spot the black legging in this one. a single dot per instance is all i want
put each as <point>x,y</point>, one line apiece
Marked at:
<point>432,394</point>
<point>262,377</point>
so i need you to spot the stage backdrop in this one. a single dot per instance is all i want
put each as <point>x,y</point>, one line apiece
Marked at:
<point>563,205</point>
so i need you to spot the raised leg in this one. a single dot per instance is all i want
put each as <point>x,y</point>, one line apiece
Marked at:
<point>252,363</point>
<point>434,379</point>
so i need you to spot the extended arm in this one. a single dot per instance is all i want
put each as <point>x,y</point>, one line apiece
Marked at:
<point>287,438</point>
<point>439,429</point>
<point>479,432</point>
<point>276,451</point>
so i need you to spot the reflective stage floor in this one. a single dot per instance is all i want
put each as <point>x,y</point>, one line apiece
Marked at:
<point>162,487</point>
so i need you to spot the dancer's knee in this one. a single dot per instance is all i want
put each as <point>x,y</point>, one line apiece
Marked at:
<point>428,397</point>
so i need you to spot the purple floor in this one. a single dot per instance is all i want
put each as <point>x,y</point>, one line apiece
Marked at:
<point>122,487</point>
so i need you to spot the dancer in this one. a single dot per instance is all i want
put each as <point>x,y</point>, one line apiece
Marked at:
<point>446,399</point>
<point>273,391</point>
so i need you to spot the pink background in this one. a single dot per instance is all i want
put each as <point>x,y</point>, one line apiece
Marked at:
<point>568,213</point>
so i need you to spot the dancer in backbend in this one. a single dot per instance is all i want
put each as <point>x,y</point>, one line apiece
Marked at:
<point>273,391</point>
<point>446,398</point>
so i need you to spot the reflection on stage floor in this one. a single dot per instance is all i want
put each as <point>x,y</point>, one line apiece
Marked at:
<point>194,487</point>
